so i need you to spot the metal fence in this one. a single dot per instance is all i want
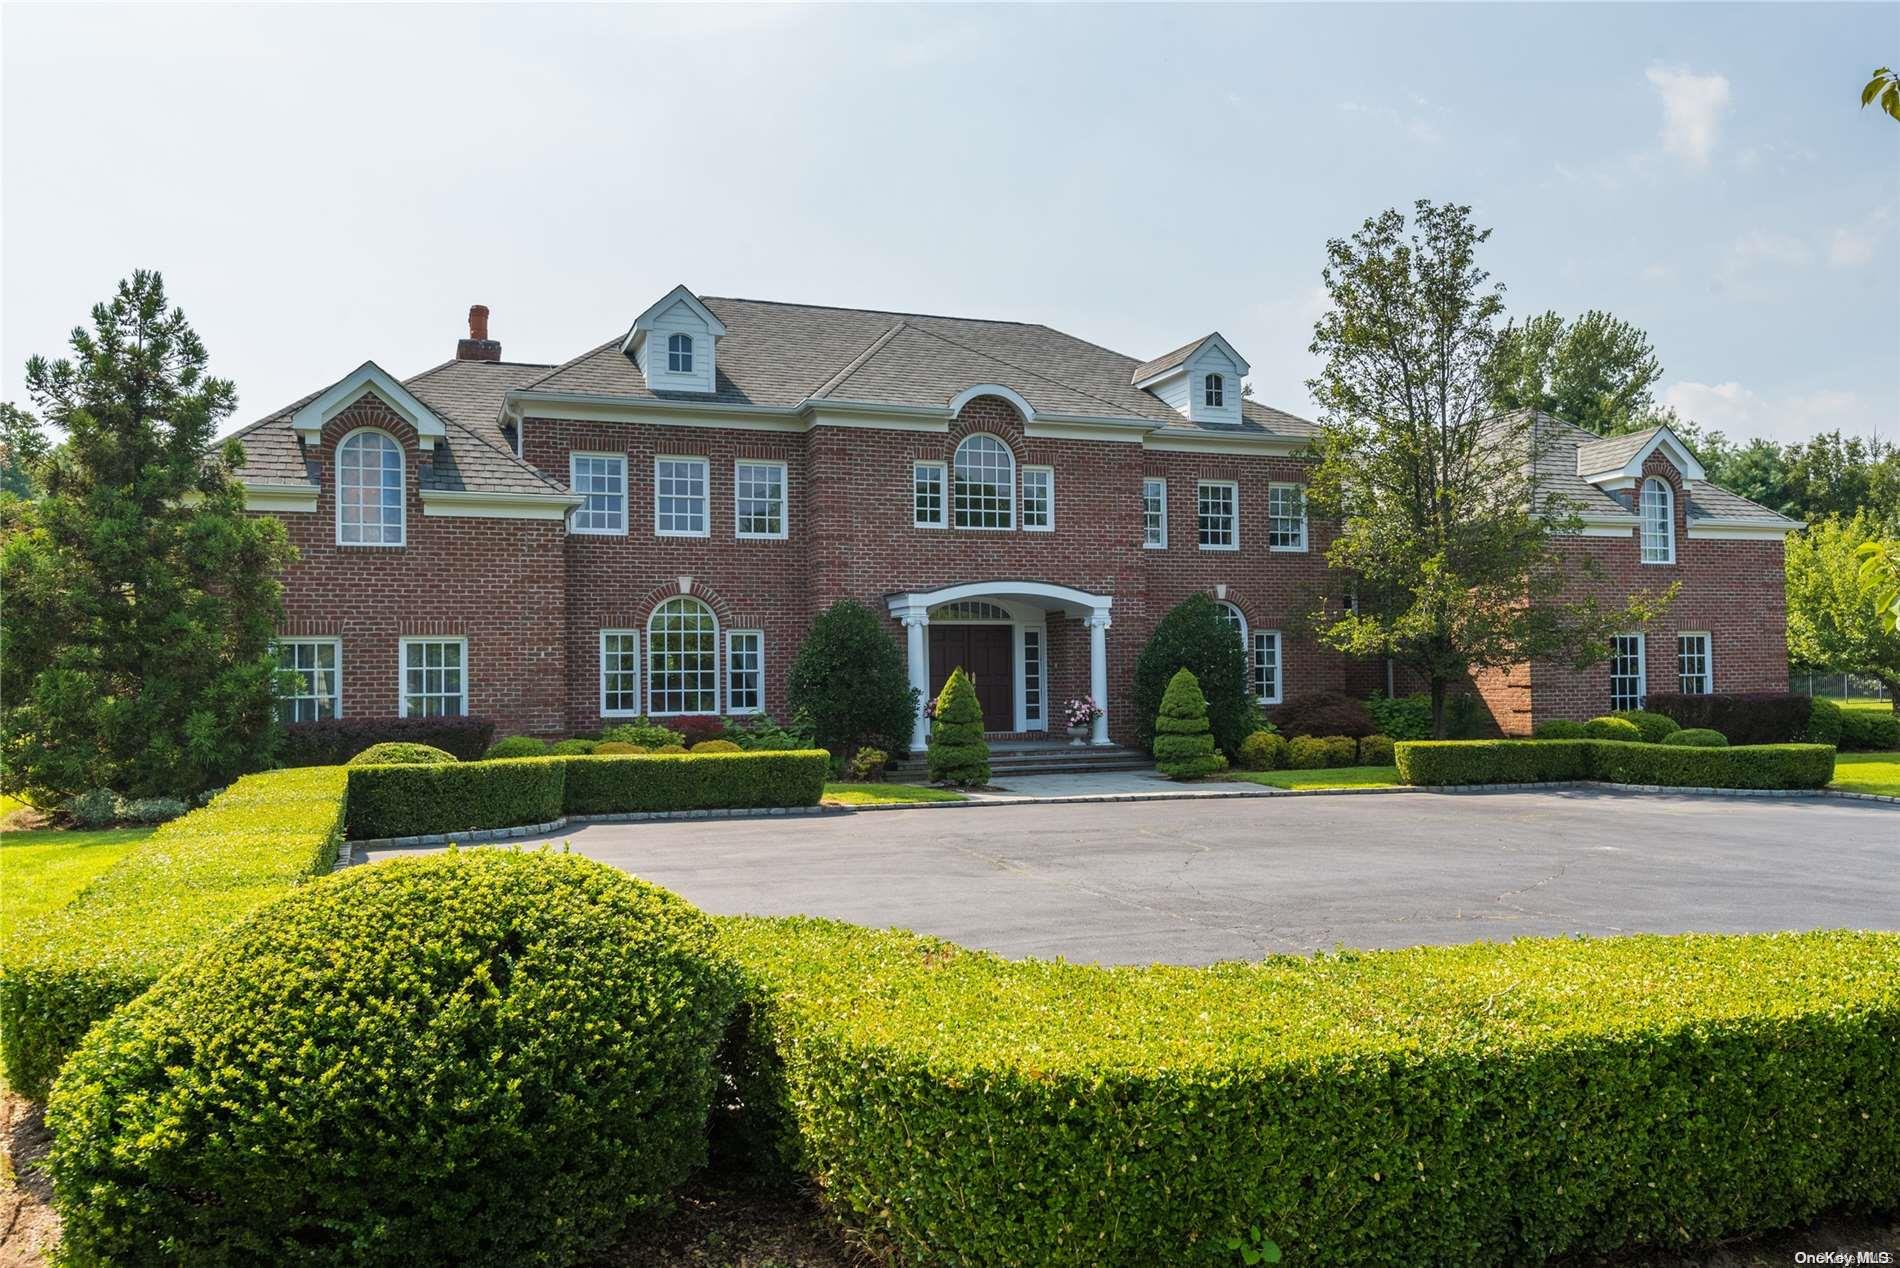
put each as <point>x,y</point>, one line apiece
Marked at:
<point>1836,686</point>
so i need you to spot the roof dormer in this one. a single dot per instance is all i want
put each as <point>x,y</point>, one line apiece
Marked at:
<point>675,343</point>
<point>1200,380</point>
<point>1616,463</point>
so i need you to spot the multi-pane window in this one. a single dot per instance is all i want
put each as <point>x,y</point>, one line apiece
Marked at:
<point>1214,391</point>
<point>679,354</point>
<point>1219,514</point>
<point>758,499</point>
<point>601,480</point>
<point>1695,671</point>
<point>1039,499</point>
<point>745,671</point>
<point>434,677</point>
<point>682,658</point>
<point>1032,678</point>
<point>926,483</point>
<point>1659,522</point>
<point>1154,514</point>
<point>317,692</point>
<point>1286,517</point>
<point>985,483</point>
<point>619,673</point>
<point>369,509</point>
<point>1628,677</point>
<point>1234,617</point>
<point>1265,664</point>
<point>679,497</point>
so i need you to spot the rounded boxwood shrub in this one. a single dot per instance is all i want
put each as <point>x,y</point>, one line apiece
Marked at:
<point>1696,737</point>
<point>1560,729</point>
<point>958,752</point>
<point>1612,728</point>
<point>1341,750</point>
<point>716,746</point>
<point>1375,750</point>
<point>1263,750</point>
<point>1824,722</point>
<point>1866,731</point>
<point>473,1058</point>
<point>1197,636</point>
<point>642,734</point>
<point>516,746</point>
<point>1305,752</point>
<point>572,748</point>
<point>401,753</point>
<point>606,747</point>
<point>1653,727</point>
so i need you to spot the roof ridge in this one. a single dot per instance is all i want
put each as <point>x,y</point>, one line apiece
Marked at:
<point>450,420</point>
<point>880,312</point>
<point>852,366</point>
<point>1120,410</point>
<point>575,360</point>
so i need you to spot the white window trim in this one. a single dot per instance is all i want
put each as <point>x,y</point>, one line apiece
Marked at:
<point>1279,665</point>
<point>1300,490</point>
<point>402,491</point>
<point>1216,484</point>
<point>625,493</point>
<point>1214,391</point>
<point>1708,658</point>
<point>1163,543</point>
<point>1642,670</point>
<point>687,352</point>
<point>784,499</point>
<point>402,668</point>
<point>705,466</point>
<point>1642,521</point>
<point>1049,527</point>
<point>639,673</point>
<point>336,710</point>
<point>943,494</point>
<point>1015,496</point>
<point>731,709</point>
<point>719,669</point>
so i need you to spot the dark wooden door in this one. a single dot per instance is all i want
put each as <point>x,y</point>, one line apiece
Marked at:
<point>987,654</point>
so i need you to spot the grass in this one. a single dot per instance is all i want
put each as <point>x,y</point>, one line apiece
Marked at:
<point>1867,773</point>
<point>1337,777</point>
<point>43,870</point>
<point>1867,706</point>
<point>886,794</point>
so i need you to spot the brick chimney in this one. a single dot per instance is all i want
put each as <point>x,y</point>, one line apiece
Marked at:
<point>478,346</point>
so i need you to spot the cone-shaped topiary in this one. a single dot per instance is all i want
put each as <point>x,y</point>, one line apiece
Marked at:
<point>958,752</point>
<point>1184,744</point>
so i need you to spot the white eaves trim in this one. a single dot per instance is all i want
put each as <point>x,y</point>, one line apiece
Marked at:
<point>1672,448</point>
<point>1176,441</point>
<point>369,377</point>
<point>280,497</point>
<point>463,504</point>
<point>1734,529</point>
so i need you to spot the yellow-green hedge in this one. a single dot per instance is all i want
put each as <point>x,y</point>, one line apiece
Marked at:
<point>184,883</point>
<point>1481,1104</point>
<point>1437,763</point>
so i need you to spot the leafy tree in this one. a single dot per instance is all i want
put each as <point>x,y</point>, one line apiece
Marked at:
<point>1831,474</point>
<point>136,651</point>
<point>1183,743</point>
<point>1831,624</point>
<point>1758,470</point>
<point>1879,577</point>
<point>22,447</point>
<point>1444,520</point>
<point>958,752</point>
<point>1196,635</point>
<point>1884,87</point>
<point>849,683</point>
<point>1597,371</point>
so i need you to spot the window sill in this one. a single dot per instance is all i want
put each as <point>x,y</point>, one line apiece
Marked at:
<point>761,537</point>
<point>1228,549</point>
<point>1287,550</point>
<point>372,545</point>
<point>596,532</point>
<point>689,536</point>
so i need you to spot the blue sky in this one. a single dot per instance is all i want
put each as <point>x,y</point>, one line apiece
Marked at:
<point>325,184</point>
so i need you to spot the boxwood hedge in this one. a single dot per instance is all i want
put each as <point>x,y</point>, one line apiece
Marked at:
<point>1478,1104</point>
<point>1451,762</point>
<point>393,801</point>
<point>185,882</point>
<point>696,781</point>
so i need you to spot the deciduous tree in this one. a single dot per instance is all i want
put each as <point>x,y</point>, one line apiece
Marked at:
<point>1831,622</point>
<point>1598,371</point>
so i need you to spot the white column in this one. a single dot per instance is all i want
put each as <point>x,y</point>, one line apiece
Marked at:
<point>1098,672</point>
<point>916,626</point>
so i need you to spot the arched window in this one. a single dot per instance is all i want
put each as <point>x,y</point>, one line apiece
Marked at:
<point>985,483</point>
<point>1215,393</point>
<point>1235,619</point>
<point>1659,522</point>
<point>369,499</point>
<point>679,354</point>
<point>682,658</point>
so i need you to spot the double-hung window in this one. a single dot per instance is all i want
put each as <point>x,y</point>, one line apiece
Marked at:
<point>1695,666</point>
<point>1218,514</point>
<point>1286,517</point>
<point>1659,522</point>
<point>926,495</point>
<point>1154,513</point>
<point>679,497</point>
<point>369,492</point>
<point>1266,666</point>
<point>619,673</point>
<point>434,677</point>
<point>758,499</point>
<point>745,671</point>
<point>317,691</point>
<point>600,479</point>
<point>1628,675</point>
<point>1039,499</point>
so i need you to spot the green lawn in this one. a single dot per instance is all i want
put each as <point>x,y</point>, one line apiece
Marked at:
<point>1869,706</point>
<point>1337,777</point>
<point>42,870</point>
<point>1868,773</point>
<point>885,794</point>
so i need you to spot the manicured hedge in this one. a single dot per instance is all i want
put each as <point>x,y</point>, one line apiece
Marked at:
<point>1479,1104</point>
<point>185,882</point>
<point>695,781</point>
<point>1451,762</point>
<point>400,801</point>
<point>1764,717</point>
<point>333,741</point>
<point>1863,731</point>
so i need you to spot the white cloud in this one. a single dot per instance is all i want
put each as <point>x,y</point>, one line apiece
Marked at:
<point>1744,414</point>
<point>1693,106</point>
<point>1850,246</point>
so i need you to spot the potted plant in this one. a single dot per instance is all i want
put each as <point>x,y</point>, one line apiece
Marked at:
<point>1081,713</point>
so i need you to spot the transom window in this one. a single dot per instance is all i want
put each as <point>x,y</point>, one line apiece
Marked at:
<point>969,610</point>
<point>679,497</point>
<point>745,671</point>
<point>1039,499</point>
<point>1628,677</point>
<point>1695,670</point>
<point>317,692</point>
<point>1154,514</point>
<point>601,480</point>
<point>1265,664</point>
<point>985,483</point>
<point>1286,517</point>
<point>619,673</point>
<point>926,483</point>
<point>1214,391</point>
<point>1219,514</point>
<point>682,658</point>
<point>758,499</point>
<point>369,497</point>
<point>679,354</point>
<point>434,677</point>
<point>1659,522</point>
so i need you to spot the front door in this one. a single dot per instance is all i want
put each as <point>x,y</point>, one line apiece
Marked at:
<point>987,654</point>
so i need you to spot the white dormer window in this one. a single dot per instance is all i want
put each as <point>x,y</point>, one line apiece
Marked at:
<point>1213,394</point>
<point>679,354</point>
<point>676,344</point>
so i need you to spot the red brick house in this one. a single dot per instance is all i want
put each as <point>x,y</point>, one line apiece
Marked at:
<point>650,527</point>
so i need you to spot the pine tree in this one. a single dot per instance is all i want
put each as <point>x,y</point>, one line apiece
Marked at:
<point>958,752</point>
<point>1184,744</point>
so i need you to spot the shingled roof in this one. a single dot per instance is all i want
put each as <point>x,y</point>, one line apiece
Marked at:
<point>1565,451</point>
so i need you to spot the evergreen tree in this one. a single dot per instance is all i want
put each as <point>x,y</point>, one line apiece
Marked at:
<point>22,447</point>
<point>849,682</point>
<point>958,752</point>
<point>142,602</point>
<point>1196,634</point>
<point>1184,745</point>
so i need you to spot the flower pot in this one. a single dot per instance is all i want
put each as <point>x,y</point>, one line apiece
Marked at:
<point>1078,736</point>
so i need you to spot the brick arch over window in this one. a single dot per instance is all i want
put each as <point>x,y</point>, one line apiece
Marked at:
<point>989,412</point>
<point>722,608</point>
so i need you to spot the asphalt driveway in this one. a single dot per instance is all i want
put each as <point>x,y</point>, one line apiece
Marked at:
<point>1195,881</point>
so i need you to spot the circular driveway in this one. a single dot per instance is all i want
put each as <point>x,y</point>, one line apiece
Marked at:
<point>1190,882</point>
